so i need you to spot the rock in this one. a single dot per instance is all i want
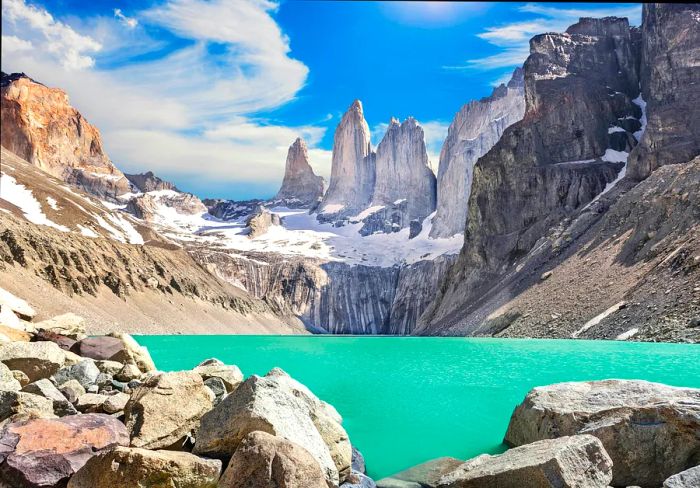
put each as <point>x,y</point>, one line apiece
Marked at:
<point>353,166</point>
<point>475,129</point>
<point>301,188</point>
<point>155,416</point>
<point>71,358</point>
<point>63,342</point>
<point>21,377</point>
<point>68,325</point>
<point>104,381</point>
<point>358,461</point>
<point>85,373</point>
<point>21,308</point>
<point>91,402</point>
<point>260,221</point>
<point>46,389</point>
<point>358,480</point>
<point>566,462</point>
<point>22,405</point>
<point>213,368</point>
<point>135,467</point>
<point>40,126</point>
<point>649,430</point>
<point>403,171</point>
<point>35,359</point>
<point>109,367</point>
<point>115,403</point>
<point>46,452</point>
<point>12,334</point>
<point>127,373</point>
<point>690,478</point>
<point>414,228</point>
<point>146,182</point>
<point>8,382</point>
<point>146,207</point>
<point>116,347</point>
<point>425,474</point>
<point>546,275</point>
<point>282,407</point>
<point>266,461</point>
<point>72,390</point>
<point>217,387</point>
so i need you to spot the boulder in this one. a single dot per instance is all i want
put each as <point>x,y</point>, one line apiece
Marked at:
<point>8,382</point>
<point>115,347</point>
<point>266,461</point>
<point>23,405</point>
<point>423,475</point>
<point>690,478</point>
<point>68,325</point>
<point>46,389</point>
<point>91,402</point>
<point>217,387</point>
<point>166,408</point>
<point>651,431</point>
<point>358,480</point>
<point>35,359</point>
<point>115,403</point>
<point>46,452</point>
<point>109,367</point>
<point>72,390</point>
<point>129,466</point>
<point>137,353</point>
<point>17,305</point>
<point>358,461</point>
<point>567,462</point>
<point>64,342</point>
<point>127,373</point>
<point>213,368</point>
<point>11,334</point>
<point>282,407</point>
<point>20,376</point>
<point>85,373</point>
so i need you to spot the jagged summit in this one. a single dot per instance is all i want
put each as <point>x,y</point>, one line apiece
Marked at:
<point>301,187</point>
<point>148,181</point>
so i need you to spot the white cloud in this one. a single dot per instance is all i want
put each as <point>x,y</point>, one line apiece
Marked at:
<point>71,49</point>
<point>129,22</point>
<point>513,38</point>
<point>191,112</point>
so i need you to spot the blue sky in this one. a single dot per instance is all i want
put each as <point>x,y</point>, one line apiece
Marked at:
<point>210,93</point>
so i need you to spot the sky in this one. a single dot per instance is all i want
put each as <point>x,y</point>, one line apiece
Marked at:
<point>210,93</point>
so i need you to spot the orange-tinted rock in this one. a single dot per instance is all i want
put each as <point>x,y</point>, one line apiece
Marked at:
<point>40,126</point>
<point>46,452</point>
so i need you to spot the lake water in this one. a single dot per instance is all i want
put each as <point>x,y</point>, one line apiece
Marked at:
<point>406,400</point>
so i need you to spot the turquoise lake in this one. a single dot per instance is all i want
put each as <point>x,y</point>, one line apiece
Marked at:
<point>405,400</point>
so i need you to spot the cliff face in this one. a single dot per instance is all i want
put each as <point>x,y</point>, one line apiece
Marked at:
<point>475,129</point>
<point>301,188</point>
<point>578,85</point>
<point>40,126</point>
<point>147,181</point>
<point>403,171</point>
<point>670,80</point>
<point>353,165</point>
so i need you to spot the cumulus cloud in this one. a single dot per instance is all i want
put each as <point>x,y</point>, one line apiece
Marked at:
<point>129,22</point>
<point>512,39</point>
<point>189,112</point>
<point>72,50</point>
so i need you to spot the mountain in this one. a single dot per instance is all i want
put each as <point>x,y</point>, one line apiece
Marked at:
<point>353,170</point>
<point>473,132</point>
<point>147,181</point>
<point>558,242</point>
<point>300,186</point>
<point>41,127</point>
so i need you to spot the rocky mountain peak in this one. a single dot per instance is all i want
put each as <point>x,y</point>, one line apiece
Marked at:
<point>148,181</point>
<point>353,165</point>
<point>40,126</point>
<point>301,187</point>
<point>605,26</point>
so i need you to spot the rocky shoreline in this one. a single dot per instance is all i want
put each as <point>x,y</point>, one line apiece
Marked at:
<point>94,412</point>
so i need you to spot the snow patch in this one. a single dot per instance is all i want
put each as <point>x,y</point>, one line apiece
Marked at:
<point>639,101</point>
<point>597,319</point>
<point>627,335</point>
<point>613,156</point>
<point>23,198</point>
<point>87,232</point>
<point>52,203</point>
<point>617,128</point>
<point>332,208</point>
<point>366,213</point>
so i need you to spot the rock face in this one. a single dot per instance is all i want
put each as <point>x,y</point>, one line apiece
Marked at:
<point>261,221</point>
<point>154,416</point>
<point>147,181</point>
<point>567,462</point>
<point>40,126</point>
<point>301,188</point>
<point>46,452</point>
<point>148,206</point>
<point>281,407</point>
<point>476,128</point>
<point>125,466</point>
<point>353,167</point>
<point>670,75</point>
<point>266,461</point>
<point>403,171</point>
<point>651,431</point>
<point>556,160</point>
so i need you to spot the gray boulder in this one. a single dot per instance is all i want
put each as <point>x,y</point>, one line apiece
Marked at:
<point>85,372</point>
<point>72,390</point>
<point>651,431</point>
<point>426,474</point>
<point>7,379</point>
<point>213,368</point>
<point>567,462</point>
<point>35,359</point>
<point>46,389</point>
<point>690,478</point>
<point>21,405</point>
<point>358,480</point>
